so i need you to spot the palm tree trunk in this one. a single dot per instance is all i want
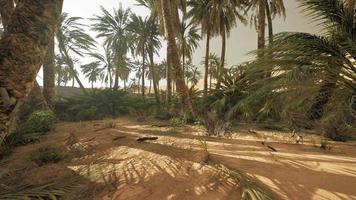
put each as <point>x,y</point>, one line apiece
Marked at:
<point>222,62</point>
<point>22,54</point>
<point>261,26</point>
<point>49,91</point>
<point>143,70</point>
<point>153,74</point>
<point>169,77</point>
<point>182,89</point>
<point>270,24</point>
<point>207,53</point>
<point>116,83</point>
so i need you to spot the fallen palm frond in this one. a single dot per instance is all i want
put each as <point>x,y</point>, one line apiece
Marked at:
<point>53,191</point>
<point>250,190</point>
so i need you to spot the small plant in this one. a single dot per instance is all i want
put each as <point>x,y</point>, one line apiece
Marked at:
<point>39,122</point>
<point>215,126</point>
<point>324,144</point>
<point>177,122</point>
<point>46,155</point>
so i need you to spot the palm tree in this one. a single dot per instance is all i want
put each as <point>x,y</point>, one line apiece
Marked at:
<point>200,13</point>
<point>189,40</point>
<point>21,67</point>
<point>225,14</point>
<point>265,9</point>
<point>92,72</point>
<point>106,63</point>
<point>170,17</point>
<point>114,29</point>
<point>72,39</point>
<point>315,74</point>
<point>140,29</point>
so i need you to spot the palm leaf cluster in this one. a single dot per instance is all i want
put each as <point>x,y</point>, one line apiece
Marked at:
<point>304,77</point>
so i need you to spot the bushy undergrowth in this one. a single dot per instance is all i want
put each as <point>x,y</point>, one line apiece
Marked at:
<point>99,104</point>
<point>46,155</point>
<point>38,124</point>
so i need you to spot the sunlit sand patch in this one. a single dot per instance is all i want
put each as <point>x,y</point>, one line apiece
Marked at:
<point>321,194</point>
<point>328,167</point>
<point>133,165</point>
<point>271,185</point>
<point>230,154</point>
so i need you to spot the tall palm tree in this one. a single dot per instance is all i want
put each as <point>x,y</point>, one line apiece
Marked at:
<point>72,40</point>
<point>265,9</point>
<point>21,67</point>
<point>170,18</point>
<point>140,28</point>
<point>114,29</point>
<point>188,40</point>
<point>225,15</point>
<point>200,13</point>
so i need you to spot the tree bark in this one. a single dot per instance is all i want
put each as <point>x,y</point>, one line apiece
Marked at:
<point>270,24</point>
<point>6,9</point>
<point>153,74</point>
<point>222,62</point>
<point>168,77</point>
<point>49,65</point>
<point>261,26</point>
<point>22,52</point>
<point>207,54</point>
<point>182,89</point>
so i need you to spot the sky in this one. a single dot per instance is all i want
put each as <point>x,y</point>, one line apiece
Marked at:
<point>242,40</point>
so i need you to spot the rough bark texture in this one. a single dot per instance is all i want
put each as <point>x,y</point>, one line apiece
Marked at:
<point>6,9</point>
<point>182,89</point>
<point>207,53</point>
<point>49,65</point>
<point>22,52</point>
<point>261,25</point>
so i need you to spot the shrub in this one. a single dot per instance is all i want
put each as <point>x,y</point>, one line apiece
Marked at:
<point>39,122</point>
<point>45,155</point>
<point>99,104</point>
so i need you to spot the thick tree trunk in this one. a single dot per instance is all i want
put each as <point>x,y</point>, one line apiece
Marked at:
<point>207,54</point>
<point>22,52</point>
<point>182,89</point>
<point>222,62</point>
<point>261,26</point>
<point>270,24</point>
<point>153,74</point>
<point>49,65</point>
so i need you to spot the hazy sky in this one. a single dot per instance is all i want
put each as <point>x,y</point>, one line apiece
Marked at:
<point>243,39</point>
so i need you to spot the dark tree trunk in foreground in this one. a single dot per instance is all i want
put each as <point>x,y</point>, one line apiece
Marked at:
<point>182,89</point>
<point>22,52</point>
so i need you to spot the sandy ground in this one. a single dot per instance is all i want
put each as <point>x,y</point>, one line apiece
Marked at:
<point>177,166</point>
